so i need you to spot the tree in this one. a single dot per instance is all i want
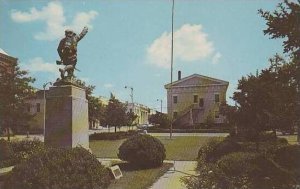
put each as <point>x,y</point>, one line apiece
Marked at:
<point>14,89</point>
<point>267,101</point>
<point>131,117</point>
<point>115,114</point>
<point>161,119</point>
<point>285,23</point>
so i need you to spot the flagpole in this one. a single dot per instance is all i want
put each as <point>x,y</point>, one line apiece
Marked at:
<point>172,47</point>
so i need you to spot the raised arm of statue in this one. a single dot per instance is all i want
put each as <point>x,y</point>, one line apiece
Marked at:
<point>82,34</point>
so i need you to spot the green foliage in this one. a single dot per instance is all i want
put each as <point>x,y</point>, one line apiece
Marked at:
<point>143,151</point>
<point>288,156</point>
<point>112,136</point>
<point>267,101</point>
<point>131,117</point>
<point>161,119</point>
<point>115,114</point>
<point>252,170</point>
<point>59,168</point>
<point>15,152</point>
<point>216,148</point>
<point>225,165</point>
<point>284,23</point>
<point>15,88</point>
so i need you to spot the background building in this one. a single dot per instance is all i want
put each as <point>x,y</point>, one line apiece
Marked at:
<point>35,106</point>
<point>196,99</point>
<point>141,111</point>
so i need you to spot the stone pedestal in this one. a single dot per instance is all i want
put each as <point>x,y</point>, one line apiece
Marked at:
<point>66,117</point>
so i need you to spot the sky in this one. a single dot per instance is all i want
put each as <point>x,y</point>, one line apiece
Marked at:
<point>129,42</point>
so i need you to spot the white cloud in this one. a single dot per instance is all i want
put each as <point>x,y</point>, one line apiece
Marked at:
<point>216,58</point>
<point>53,15</point>
<point>190,44</point>
<point>108,85</point>
<point>39,65</point>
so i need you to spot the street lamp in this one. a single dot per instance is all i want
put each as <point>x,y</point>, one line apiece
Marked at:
<point>44,124</point>
<point>131,96</point>
<point>160,104</point>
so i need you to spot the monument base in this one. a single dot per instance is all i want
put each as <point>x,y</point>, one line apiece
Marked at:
<point>66,117</point>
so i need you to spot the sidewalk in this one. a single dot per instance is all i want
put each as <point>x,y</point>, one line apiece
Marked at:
<point>171,179</point>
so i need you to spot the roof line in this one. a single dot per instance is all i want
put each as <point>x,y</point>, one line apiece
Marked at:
<point>196,75</point>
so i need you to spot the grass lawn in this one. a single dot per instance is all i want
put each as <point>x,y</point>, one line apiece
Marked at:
<point>177,148</point>
<point>292,139</point>
<point>137,178</point>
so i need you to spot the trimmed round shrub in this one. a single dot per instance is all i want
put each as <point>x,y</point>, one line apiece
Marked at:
<point>143,151</point>
<point>216,148</point>
<point>59,168</point>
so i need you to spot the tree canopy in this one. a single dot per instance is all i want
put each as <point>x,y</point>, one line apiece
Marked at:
<point>115,114</point>
<point>15,87</point>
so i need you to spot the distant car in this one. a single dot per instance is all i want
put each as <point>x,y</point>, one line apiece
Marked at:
<point>142,131</point>
<point>145,126</point>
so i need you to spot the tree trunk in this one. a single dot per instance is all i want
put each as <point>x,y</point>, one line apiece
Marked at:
<point>8,134</point>
<point>274,132</point>
<point>115,129</point>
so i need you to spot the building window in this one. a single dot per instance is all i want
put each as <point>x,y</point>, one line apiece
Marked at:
<point>38,107</point>
<point>195,98</point>
<point>175,99</point>
<point>217,114</point>
<point>175,114</point>
<point>130,110</point>
<point>201,102</point>
<point>217,98</point>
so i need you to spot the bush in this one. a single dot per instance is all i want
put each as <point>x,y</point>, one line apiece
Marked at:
<point>144,151</point>
<point>253,170</point>
<point>241,170</point>
<point>217,148</point>
<point>59,168</point>
<point>15,152</point>
<point>288,157</point>
<point>112,136</point>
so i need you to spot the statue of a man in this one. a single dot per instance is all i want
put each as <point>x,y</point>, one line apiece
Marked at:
<point>67,50</point>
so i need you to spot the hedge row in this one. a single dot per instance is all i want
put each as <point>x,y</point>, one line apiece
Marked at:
<point>113,136</point>
<point>157,130</point>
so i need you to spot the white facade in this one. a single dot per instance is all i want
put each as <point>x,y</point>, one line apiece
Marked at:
<point>141,111</point>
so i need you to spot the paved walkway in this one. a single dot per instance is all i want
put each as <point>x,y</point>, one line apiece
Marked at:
<point>172,178</point>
